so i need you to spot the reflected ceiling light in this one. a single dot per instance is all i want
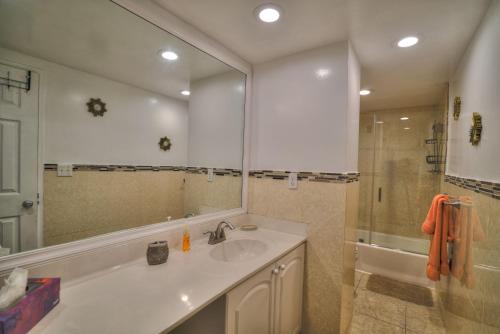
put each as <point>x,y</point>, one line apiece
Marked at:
<point>408,41</point>
<point>379,122</point>
<point>404,118</point>
<point>185,92</point>
<point>169,55</point>
<point>406,128</point>
<point>322,73</point>
<point>268,13</point>
<point>364,92</point>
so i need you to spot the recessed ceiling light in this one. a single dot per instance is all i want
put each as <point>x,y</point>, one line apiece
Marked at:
<point>408,41</point>
<point>404,118</point>
<point>186,93</point>
<point>364,92</point>
<point>268,13</point>
<point>406,128</point>
<point>169,55</point>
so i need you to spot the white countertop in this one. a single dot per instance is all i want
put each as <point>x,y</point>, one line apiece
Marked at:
<point>138,298</point>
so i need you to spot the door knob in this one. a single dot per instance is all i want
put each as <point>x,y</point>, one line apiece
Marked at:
<point>282,266</point>
<point>275,271</point>
<point>27,204</point>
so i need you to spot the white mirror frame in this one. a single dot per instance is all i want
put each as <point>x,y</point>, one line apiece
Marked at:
<point>156,15</point>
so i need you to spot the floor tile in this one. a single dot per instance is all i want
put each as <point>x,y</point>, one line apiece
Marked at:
<point>380,307</point>
<point>362,324</point>
<point>401,290</point>
<point>363,278</point>
<point>385,313</point>
<point>424,326</point>
<point>357,278</point>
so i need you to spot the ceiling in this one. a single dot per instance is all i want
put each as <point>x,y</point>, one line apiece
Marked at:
<point>398,77</point>
<point>101,38</point>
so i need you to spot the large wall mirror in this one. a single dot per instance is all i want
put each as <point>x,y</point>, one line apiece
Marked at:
<point>107,123</point>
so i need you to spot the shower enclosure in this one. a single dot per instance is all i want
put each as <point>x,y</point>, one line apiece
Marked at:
<point>401,163</point>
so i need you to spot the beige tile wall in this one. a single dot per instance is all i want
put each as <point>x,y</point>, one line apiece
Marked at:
<point>323,206</point>
<point>476,310</point>
<point>201,196</point>
<point>91,202</point>
<point>393,159</point>
<point>349,265</point>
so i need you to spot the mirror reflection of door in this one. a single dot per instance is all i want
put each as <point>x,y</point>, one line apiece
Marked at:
<point>18,160</point>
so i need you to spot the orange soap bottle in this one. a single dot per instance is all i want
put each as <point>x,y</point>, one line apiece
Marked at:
<point>186,241</point>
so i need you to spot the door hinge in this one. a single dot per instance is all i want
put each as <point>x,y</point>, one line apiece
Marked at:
<point>37,198</point>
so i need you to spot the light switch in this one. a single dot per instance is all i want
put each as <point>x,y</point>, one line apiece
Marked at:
<point>210,175</point>
<point>64,170</point>
<point>292,181</point>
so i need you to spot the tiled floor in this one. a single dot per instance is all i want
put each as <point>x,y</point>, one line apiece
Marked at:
<point>380,313</point>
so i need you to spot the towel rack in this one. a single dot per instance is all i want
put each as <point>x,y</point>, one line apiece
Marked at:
<point>7,81</point>
<point>457,203</point>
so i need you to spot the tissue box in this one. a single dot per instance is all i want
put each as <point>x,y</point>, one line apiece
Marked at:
<point>42,296</point>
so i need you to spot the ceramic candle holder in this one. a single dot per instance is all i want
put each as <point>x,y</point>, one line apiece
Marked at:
<point>157,252</point>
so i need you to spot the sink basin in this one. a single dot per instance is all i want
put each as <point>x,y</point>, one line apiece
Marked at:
<point>238,250</point>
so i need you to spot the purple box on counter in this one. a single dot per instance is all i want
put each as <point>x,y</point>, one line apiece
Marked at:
<point>42,296</point>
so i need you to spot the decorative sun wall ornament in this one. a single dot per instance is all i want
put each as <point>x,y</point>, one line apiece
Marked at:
<point>476,129</point>
<point>165,143</point>
<point>456,108</point>
<point>96,107</point>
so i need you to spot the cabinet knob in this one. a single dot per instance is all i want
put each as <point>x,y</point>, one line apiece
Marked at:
<point>282,266</point>
<point>275,271</point>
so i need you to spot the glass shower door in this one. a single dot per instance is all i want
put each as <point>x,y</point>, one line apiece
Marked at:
<point>398,182</point>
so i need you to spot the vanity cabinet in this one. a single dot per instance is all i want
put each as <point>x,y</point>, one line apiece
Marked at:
<point>270,302</point>
<point>288,303</point>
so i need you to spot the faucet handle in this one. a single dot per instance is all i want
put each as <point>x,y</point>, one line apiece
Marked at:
<point>211,238</point>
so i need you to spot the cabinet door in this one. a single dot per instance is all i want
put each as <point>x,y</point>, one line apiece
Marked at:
<point>250,305</point>
<point>288,310</point>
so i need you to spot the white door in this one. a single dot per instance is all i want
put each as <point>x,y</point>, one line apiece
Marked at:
<point>250,305</point>
<point>288,311</point>
<point>18,161</point>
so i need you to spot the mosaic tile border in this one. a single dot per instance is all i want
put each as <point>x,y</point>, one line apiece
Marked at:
<point>308,176</point>
<point>217,171</point>
<point>487,188</point>
<point>131,168</point>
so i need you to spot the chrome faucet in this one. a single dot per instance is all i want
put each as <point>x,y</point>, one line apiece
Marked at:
<point>219,235</point>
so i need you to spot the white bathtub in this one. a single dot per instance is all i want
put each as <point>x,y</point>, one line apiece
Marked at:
<point>412,245</point>
<point>393,263</point>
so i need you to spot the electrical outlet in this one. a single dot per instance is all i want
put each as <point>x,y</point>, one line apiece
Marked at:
<point>64,170</point>
<point>210,175</point>
<point>292,181</point>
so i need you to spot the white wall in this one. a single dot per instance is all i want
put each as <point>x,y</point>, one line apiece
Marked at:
<point>128,133</point>
<point>477,82</point>
<point>302,116</point>
<point>353,109</point>
<point>216,121</point>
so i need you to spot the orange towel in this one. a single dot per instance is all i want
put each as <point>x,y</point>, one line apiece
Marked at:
<point>436,225</point>
<point>464,229</point>
<point>429,224</point>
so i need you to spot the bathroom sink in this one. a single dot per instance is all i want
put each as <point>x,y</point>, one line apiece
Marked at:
<point>238,250</point>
